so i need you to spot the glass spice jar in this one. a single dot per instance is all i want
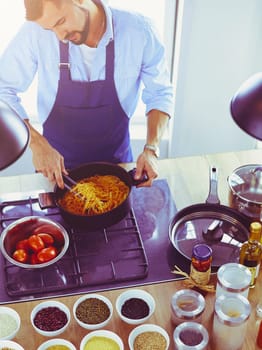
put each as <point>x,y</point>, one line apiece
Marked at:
<point>190,336</point>
<point>201,260</point>
<point>233,278</point>
<point>230,322</point>
<point>187,305</point>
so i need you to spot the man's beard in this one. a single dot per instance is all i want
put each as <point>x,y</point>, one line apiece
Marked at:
<point>82,34</point>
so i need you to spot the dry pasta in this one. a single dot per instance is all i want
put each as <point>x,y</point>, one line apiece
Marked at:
<point>100,194</point>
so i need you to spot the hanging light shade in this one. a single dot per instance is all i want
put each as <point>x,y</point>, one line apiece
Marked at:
<point>246,106</point>
<point>14,136</point>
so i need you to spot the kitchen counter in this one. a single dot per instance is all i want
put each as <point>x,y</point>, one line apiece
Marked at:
<point>188,179</point>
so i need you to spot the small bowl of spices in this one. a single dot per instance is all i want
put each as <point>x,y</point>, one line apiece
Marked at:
<point>9,323</point>
<point>93,311</point>
<point>50,318</point>
<point>147,337</point>
<point>10,345</point>
<point>135,306</point>
<point>57,344</point>
<point>101,339</point>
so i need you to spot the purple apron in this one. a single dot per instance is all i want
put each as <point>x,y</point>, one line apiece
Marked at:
<point>87,122</point>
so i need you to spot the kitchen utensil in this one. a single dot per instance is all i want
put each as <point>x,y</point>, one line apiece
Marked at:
<point>22,228</point>
<point>222,228</point>
<point>106,219</point>
<point>70,187</point>
<point>245,190</point>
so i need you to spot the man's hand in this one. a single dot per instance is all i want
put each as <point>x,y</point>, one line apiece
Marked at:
<point>146,163</point>
<point>46,159</point>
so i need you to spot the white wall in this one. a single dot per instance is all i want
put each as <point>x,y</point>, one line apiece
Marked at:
<point>221,46</point>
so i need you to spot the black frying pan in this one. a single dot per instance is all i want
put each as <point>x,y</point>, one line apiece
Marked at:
<point>108,218</point>
<point>222,228</point>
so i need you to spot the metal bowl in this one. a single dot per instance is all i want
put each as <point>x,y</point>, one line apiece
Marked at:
<point>23,228</point>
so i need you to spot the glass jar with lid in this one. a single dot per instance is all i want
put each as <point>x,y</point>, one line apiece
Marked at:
<point>187,305</point>
<point>233,278</point>
<point>190,336</point>
<point>230,322</point>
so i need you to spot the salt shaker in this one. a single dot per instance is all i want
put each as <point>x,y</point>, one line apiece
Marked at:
<point>187,305</point>
<point>230,322</point>
<point>190,336</point>
<point>233,278</point>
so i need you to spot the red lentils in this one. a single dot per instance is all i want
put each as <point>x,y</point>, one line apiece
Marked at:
<point>50,319</point>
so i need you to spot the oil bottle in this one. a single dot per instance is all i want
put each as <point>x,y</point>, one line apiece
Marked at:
<point>251,250</point>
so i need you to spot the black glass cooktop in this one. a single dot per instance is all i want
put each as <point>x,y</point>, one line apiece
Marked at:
<point>136,251</point>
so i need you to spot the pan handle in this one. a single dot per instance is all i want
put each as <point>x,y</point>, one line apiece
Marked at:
<point>132,172</point>
<point>213,194</point>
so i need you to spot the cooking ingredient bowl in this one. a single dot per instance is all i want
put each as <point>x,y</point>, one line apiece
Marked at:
<point>92,311</point>
<point>50,318</point>
<point>34,242</point>
<point>135,306</point>
<point>101,339</point>
<point>147,335</point>
<point>10,344</point>
<point>9,323</point>
<point>53,344</point>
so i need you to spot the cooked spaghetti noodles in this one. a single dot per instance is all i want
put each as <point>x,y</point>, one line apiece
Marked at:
<point>98,194</point>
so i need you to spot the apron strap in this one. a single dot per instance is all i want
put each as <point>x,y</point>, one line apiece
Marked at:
<point>110,61</point>
<point>64,65</point>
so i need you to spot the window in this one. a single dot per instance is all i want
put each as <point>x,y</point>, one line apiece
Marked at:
<point>11,20</point>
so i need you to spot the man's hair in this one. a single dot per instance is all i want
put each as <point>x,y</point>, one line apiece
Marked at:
<point>33,9</point>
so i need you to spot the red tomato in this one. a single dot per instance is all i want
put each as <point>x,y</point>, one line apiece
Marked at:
<point>46,254</point>
<point>51,230</point>
<point>33,259</point>
<point>47,238</point>
<point>20,255</point>
<point>36,243</point>
<point>23,244</point>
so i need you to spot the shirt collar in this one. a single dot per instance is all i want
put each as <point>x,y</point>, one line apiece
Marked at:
<point>109,33</point>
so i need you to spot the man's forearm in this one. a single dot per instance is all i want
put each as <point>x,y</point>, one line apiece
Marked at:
<point>156,125</point>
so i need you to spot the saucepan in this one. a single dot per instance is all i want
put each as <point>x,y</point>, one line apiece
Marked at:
<point>223,228</point>
<point>245,194</point>
<point>113,216</point>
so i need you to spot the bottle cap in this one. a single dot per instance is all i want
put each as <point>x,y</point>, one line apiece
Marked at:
<point>202,251</point>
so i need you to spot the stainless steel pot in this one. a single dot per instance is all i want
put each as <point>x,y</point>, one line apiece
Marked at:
<point>245,195</point>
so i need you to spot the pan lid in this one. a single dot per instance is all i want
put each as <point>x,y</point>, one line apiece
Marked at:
<point>222,228</point>
<point>222,231</point>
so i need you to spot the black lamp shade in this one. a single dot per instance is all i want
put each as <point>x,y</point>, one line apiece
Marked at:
<point>246,106</point>
<point>14,136</point>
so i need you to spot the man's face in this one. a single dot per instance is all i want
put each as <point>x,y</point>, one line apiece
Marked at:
<point>68,20</point>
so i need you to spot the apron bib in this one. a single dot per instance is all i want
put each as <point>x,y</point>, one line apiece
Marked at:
<point>87,122</point>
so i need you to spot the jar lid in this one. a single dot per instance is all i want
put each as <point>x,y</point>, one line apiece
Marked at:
<point>232,310</point>
<point>202,251</point>
<point>187,304</point>
<point>234,277</point>
<point>190,336</point>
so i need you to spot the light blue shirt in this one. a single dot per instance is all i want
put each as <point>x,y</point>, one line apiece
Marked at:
<point>139,61</point>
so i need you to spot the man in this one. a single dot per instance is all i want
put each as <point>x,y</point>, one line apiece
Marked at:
<point>91,61</point>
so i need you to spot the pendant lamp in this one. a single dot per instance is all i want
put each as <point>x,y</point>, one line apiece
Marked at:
<point>14,136</point>
<point>246,106</point>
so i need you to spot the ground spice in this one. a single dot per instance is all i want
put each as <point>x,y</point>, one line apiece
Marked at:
<point>92,311</point>
<point>135,308</point>
<point>101,343</point>
<point>58,347</point>
<point>7,325</point>
<point>150,341</point>
<point>191,337</point>
<point>50,319</point>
